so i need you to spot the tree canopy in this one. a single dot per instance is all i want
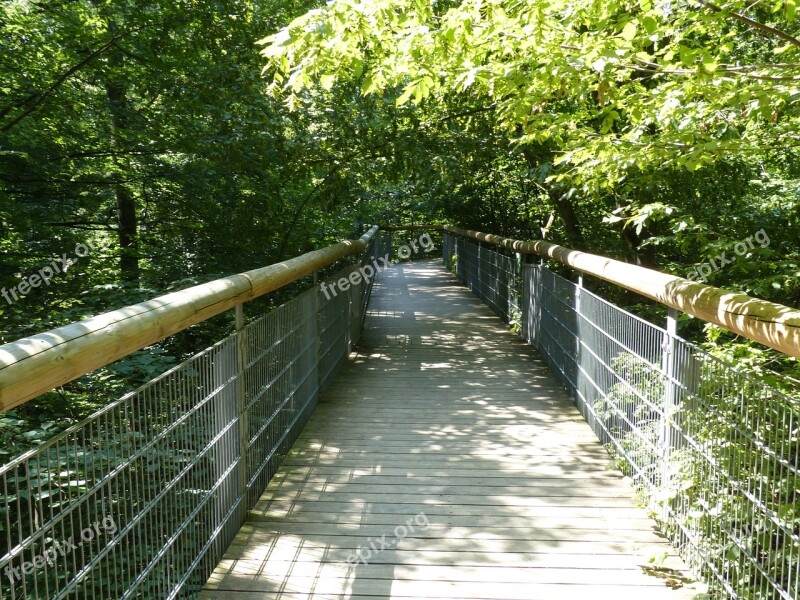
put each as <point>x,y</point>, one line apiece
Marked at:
<point>669,125</point>
<point>672,124</point>
<point>614,86</point>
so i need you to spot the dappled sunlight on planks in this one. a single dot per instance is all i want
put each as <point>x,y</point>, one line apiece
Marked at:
<point>445,413</point>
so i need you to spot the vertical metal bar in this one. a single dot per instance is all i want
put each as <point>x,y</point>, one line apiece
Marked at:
<point>316,319</point>
<point>478,282</point>
<point>457,255</point>
<point>241,406</point>
<point>578,316</point>
<point>668,368</point>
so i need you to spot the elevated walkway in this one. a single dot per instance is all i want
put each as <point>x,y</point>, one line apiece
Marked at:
<point>446,462</point>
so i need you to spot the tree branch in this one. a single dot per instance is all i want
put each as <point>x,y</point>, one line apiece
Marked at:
<point>102,153</point>
<point>36,99</point>
<point>83,226</point>
<point>739,70</point>
<point>761,27</point>
<point>468,113</point>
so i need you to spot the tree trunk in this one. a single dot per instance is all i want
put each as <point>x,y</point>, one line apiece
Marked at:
<point>572,226</point>
<point>128,229</point>
<point>644,257</point>
<point>119,109</point>
<point>563,207</point>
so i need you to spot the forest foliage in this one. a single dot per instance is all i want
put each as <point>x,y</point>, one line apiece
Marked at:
<point>161,133</point>
<point>143,129</point>
<point>661,132</point>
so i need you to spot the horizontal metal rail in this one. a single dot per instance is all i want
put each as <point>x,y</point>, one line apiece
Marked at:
<point>34,365</point>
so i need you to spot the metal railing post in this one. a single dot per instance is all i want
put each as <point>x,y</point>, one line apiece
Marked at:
<point>315,275</point>
<point>515,293</point>
<point>669,370</point>
<point>578,290</point>
<point>241,403</point>
<point>478,284</point>
<point>354,309</point>
<point>458,260</point>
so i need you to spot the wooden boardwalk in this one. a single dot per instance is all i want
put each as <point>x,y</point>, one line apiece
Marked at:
<point>446,435</point>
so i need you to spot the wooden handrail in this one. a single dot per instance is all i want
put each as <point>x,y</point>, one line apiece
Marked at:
<point>768,323</point>
<point>34,365</point>
<point>412,227</point>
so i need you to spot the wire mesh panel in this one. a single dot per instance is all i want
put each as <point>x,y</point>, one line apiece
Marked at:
<point>495,277</point>
<point>127,503</point>
<point>714,453</point>
<point>335,317</point>
<point>280,384</point>
<point>450,252</point>
<point>368,268</point>
<point>141,499</point>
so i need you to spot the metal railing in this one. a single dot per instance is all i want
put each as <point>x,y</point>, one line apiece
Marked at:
<point>141,499</point>
<point>494,277</point>
<point>714,453</point>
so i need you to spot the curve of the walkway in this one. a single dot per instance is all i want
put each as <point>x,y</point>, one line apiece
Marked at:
<point>445,462</point>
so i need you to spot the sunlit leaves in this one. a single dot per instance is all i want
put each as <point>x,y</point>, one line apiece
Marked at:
<point>679,71</point>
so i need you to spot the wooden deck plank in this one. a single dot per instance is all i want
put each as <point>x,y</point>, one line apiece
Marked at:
<point>448,436</point>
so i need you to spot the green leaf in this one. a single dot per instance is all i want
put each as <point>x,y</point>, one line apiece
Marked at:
<point>709,63</point>
<point>687,56</point>
<point>326,81</point>
<point>629,31</point>
<point>650,24</point>
<point>791,10</point>
<point>411,88</point>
